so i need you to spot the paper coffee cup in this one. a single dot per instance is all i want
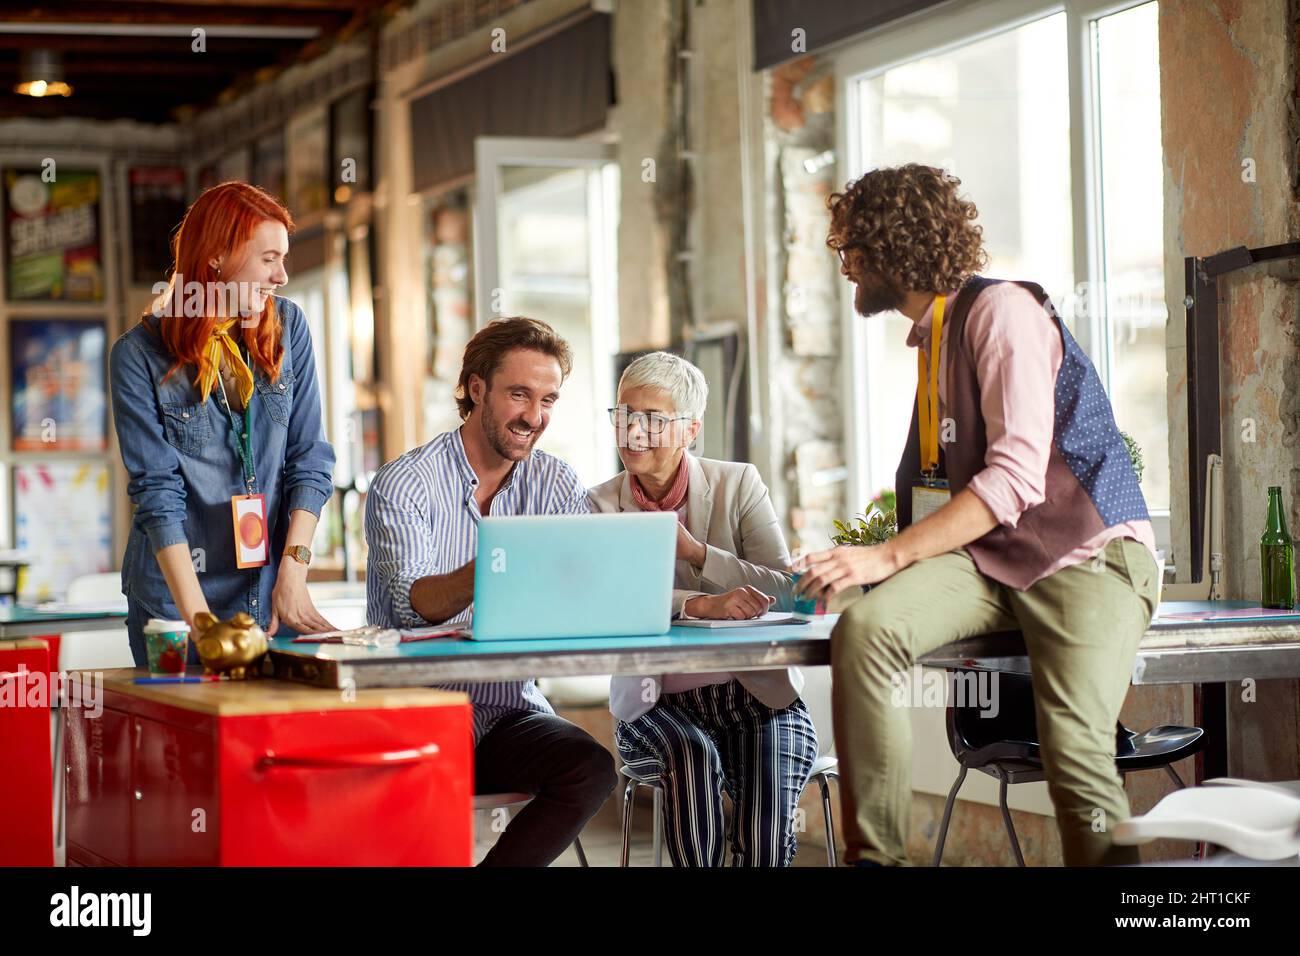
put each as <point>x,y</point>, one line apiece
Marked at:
<point>168,646</point>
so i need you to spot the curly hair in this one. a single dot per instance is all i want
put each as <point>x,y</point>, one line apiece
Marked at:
<point>908,224</point>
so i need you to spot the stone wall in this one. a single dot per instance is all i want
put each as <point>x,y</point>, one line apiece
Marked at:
<point>1228,82</point>
<point>806,365</point>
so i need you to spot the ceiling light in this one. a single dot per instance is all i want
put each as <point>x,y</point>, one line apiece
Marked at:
<point>42,75</point>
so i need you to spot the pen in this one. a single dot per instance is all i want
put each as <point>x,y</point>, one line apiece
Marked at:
<point>175,680</point>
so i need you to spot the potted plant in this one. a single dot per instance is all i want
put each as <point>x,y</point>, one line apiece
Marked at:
<point>1134,455</point>
<point>1135,458</point>
<point>876,525</point>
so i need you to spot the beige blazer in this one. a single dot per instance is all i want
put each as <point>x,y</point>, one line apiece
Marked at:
<point>727,508</point>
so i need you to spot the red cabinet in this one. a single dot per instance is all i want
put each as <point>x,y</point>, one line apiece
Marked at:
<point>265,773</point>
<point>97,764</point>
<point>26,773</point>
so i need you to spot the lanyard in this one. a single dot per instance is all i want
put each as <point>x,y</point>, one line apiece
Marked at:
<point>244,436</point>
<point>927,393</point>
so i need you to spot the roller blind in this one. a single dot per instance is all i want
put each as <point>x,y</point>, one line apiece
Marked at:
<point>561,86</point>
<point>823,23</point>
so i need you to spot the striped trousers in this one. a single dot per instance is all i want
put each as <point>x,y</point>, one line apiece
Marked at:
<point>720,737</point>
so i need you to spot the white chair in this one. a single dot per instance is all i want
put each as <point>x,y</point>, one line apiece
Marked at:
<point>1291,787</point>
<point>575,692</point>
<point>96,588</point>
<point>1258,821</point>
<point>95,650</point>
<point>341,603</point>
<point>817,696</point>
<point>494,801</point>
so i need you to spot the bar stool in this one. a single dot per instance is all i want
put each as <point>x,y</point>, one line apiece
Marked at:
<point>1005,747</point>
<point>823,771</point>
<point>493,801</point>
<point>816,696</point>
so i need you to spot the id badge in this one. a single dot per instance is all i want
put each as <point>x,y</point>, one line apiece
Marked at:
<point>929,497</point>
<point>249,513</point>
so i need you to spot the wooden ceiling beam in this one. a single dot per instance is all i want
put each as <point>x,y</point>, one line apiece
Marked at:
<point>108,109</point>
<point>217,47</point>
<point>156,69</point>
<point>133,12</point>
<point>345,5</point>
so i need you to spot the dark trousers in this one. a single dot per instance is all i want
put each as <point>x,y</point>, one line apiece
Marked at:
<point>568,773</point>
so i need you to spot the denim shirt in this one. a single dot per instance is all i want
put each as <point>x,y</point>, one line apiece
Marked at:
<point>182,460</point>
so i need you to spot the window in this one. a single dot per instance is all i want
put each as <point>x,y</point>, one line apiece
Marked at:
<point>988,92</point>
<point>1131,179</point>
<point>545,247</point>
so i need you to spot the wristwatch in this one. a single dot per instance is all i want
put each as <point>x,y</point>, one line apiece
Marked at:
<point>299,552</point>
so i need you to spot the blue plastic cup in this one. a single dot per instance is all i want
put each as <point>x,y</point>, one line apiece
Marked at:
<point>805,608</point>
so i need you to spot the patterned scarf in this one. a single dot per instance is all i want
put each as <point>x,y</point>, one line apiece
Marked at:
<point>222,341</point>
<point>669,502</point>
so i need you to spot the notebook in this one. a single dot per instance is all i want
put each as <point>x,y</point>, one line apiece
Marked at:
<point>770,619</point>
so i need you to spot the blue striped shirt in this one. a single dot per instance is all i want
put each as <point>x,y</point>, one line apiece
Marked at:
<point>422,519</point>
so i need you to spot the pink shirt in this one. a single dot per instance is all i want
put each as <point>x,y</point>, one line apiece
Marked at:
<point>1017,355</point>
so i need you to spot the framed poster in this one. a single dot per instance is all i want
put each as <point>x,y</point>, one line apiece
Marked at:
<point>268,163</point>
<point>157,207</point>
<point>57,371</point>
<point>51,218</point>
<point>307,150</point>
<point>62,519</point>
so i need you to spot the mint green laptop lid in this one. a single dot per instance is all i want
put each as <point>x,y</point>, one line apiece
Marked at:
<point>557,576</point>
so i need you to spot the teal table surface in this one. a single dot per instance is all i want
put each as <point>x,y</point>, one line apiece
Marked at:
<point>676,638</point>
<point>1174,650</point>
<point>681,650</point>
<point>22,621</point>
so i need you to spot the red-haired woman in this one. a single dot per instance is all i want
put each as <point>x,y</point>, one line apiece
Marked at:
<point>218,417</point>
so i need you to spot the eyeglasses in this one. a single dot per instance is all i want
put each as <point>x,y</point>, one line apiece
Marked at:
<point>651,423</point>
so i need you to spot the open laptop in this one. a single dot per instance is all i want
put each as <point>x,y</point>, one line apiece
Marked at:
<point>555,576</point>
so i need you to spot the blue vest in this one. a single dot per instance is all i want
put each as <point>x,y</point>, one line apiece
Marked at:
<point>1090,481</point>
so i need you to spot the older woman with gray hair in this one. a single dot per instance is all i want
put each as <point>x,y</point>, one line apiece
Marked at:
<point>747,732</point>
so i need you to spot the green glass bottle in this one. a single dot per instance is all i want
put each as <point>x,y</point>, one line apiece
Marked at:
<point>1276,558</point>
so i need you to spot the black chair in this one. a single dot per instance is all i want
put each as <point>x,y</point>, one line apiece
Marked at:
<point>1005,746</point>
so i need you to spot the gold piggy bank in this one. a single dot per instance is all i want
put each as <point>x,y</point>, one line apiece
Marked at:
<point>229,647</point>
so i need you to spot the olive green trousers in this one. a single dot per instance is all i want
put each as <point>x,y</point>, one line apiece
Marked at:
<point>1082,626</point>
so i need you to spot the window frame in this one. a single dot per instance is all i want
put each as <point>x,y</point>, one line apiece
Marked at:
<point>599,160</point>
<point>950,27</point>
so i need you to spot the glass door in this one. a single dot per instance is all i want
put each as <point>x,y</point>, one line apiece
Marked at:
<point>546,215</point>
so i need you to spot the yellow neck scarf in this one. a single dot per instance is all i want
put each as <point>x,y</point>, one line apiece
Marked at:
<point>221,341</point>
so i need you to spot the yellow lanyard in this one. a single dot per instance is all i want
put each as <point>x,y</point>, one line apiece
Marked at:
<point>927,393</point>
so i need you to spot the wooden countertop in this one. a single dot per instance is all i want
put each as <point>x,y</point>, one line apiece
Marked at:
<point>25,643</point>
<point>266,695</point>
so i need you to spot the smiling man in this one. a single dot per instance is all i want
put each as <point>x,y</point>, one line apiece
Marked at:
<point>1018,508</point>
<point>422,514</point>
